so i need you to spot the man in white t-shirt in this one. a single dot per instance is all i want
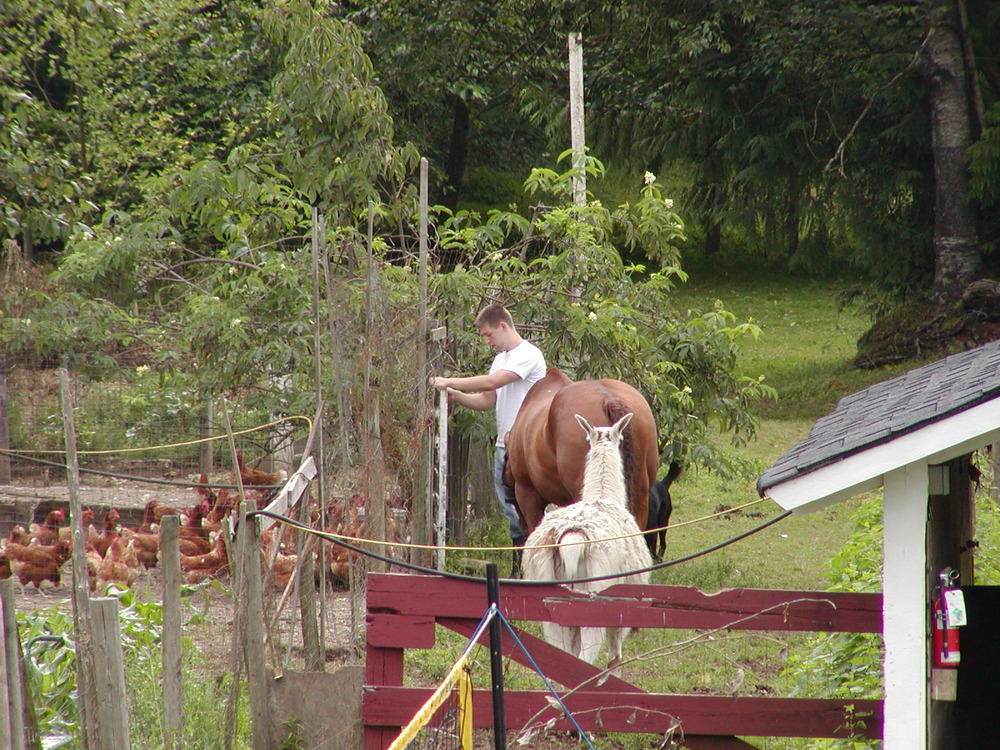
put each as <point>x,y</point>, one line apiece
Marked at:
<point>519,364</point>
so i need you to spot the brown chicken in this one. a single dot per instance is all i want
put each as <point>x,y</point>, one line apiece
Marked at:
<point>192,526</point>
<point>256,478</point>
<point>282,570</point>
<point>197,568</point>
<point>48,532</point>
<point>225,504</point>
<point>153,512</point>
<point>66,532</point>
<point>194,546</point>
<point>101,540</point>
<point>146,545</point>
<point>205,492</point>
<point>120,565</point>
<point>36,563</point>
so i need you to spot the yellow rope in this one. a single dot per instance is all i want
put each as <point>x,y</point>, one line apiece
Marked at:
<point>184,444</point>
<point>408,545</point>
<point>423,716</point>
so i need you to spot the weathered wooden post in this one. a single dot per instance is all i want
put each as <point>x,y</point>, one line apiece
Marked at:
<point>91,732</point>
<point>109,669</point>
<point>253,643</point>
<point>173,698</point>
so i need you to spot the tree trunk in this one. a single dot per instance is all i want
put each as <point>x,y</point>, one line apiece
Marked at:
<point>458,152</point>
<point>713,240</point>
<point>957,255</point>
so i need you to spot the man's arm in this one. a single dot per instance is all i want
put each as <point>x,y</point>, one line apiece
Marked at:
<point>476,391</point>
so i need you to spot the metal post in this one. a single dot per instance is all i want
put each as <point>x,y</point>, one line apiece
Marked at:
<point>496,659</point>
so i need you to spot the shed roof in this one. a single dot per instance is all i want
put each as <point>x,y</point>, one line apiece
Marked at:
<point>887,410</point>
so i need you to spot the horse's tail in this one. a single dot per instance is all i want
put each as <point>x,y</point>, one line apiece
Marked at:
<point>615,409</point>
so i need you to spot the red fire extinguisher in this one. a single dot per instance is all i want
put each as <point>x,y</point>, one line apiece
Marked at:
<point>947,615</point>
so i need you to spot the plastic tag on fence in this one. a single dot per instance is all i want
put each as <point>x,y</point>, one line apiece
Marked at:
<point>955,608</point>
<point>289,495</point>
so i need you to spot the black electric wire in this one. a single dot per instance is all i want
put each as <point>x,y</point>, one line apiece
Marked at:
<point>511,581</point>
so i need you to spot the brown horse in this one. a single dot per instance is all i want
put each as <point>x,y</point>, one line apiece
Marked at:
<point>546,449</point>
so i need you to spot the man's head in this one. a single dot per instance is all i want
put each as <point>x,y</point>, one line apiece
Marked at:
<point>497,328</point>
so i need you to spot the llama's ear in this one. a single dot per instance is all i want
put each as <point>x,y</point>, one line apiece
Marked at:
<point>584,424</point>
<point>621,424</point>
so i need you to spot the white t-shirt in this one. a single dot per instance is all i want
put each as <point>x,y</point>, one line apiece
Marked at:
<point>525,360</point>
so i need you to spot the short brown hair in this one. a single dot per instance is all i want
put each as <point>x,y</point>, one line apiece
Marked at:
<point>493,315</point>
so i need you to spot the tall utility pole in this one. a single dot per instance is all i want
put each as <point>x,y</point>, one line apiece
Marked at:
<point>576,118</point>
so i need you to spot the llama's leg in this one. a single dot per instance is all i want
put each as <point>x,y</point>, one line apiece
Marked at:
<point>591,640</point>
<point>557,635</point>
<point>615,638</point>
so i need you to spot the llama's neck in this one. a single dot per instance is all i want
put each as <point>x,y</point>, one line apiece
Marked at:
<point>603,478</point>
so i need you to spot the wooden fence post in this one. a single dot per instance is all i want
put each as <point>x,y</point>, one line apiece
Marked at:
<point>90,729</point>
<point>7,689</point>
<point>253,644</point>
<point>23,732</point>
<point>173,698</point>
<point>109,668</point>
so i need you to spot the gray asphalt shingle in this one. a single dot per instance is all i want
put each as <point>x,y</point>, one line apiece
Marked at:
<point>886,410</point>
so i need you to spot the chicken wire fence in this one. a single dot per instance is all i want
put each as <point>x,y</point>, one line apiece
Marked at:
<point>139,436</point>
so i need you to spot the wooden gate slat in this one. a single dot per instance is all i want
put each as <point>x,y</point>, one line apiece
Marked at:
<point>633,605</point>
<point>652,713</point>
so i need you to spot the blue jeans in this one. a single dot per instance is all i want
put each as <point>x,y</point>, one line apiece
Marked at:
<point>505,495</point>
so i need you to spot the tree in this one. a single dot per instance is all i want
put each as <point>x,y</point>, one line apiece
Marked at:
<point>944,67</point>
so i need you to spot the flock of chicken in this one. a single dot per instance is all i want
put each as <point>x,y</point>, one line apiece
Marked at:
<point>117,554</point>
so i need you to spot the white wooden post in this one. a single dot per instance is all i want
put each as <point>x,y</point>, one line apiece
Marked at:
<point>904,607</point>
<point>576,118</point>
<point>442,475</point>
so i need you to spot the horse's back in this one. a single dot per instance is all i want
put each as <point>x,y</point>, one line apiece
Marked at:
<point>546,449</point>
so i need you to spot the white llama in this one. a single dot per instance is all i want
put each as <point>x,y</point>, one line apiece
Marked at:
<point>600,514</point>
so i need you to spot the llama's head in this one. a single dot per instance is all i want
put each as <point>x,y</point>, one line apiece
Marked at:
<point>612,434</point>
<point>602,474</point>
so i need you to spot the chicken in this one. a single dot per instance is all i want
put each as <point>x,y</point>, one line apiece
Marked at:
<point>36,563</point>
<point>205,492</point>
<point>282,570</point>
<point>154,512</point>
<point>101,540</point>
<point>197,568</point>
<point>66,532</point>
<point>192,526</point>
<point>94,561</point>
<point>256,478</point>
<point>120,565</point>
<point>48,532</point>
<point>146,545</point>
<point>193,546</point>
<point>225,504</point>
<point>60,551</point>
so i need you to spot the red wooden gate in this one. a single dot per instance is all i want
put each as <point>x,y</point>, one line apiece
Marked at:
<point>403,611</point>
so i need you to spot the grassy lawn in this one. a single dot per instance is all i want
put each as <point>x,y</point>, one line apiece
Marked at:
<point>804,352</point>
